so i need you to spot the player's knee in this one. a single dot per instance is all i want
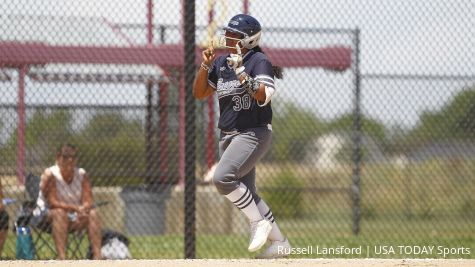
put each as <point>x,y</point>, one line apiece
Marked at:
<point>218,182</point>
<point>223,180</point>
<point>4,220</point>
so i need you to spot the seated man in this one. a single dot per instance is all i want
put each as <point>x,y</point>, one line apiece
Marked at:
<point>66,200</point>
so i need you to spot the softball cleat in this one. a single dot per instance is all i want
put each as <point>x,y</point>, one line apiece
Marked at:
<point>277,249</point>
<point>259,232</point>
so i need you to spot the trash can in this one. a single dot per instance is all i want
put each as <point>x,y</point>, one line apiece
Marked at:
<point>145,210</point>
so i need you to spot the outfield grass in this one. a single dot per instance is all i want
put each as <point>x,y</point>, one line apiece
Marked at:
<point>423,204</point>
<point>313,232</point>
<point>304,232</point>
<point>309,232</point>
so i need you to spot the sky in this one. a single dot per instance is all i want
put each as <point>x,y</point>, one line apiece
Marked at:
<point>397,37</point>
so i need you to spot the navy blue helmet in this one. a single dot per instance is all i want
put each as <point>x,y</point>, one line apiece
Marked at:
<point>248,26</point>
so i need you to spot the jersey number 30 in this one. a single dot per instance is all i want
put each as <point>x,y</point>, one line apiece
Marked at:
<point>241,102</point>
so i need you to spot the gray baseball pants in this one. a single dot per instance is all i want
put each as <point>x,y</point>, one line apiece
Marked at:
<point>239,153</point>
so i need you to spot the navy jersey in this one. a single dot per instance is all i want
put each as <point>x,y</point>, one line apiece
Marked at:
<point>238,110</point>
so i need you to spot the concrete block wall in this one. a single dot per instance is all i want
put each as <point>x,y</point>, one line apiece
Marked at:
<point>214,213</point>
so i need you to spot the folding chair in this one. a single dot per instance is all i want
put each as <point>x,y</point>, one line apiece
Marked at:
<point>42,233</point>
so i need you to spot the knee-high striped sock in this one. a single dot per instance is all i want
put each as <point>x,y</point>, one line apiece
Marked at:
<point>242,198</point>
<point>275,234</point>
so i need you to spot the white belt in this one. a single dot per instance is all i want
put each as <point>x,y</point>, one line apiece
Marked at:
<point>230,132</point>
<point>269,126</point>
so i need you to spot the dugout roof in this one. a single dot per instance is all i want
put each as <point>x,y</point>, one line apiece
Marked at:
<point>93,40</point>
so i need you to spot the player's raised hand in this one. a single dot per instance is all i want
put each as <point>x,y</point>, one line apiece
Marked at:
<point>209,55</point>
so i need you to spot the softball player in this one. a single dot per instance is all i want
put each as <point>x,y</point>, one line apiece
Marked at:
<point>244,83</point>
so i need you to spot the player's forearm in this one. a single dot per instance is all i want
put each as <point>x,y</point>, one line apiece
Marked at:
<point>201,84</point>
<point>260,94</point>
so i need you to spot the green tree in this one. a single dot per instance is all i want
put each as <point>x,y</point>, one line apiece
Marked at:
<point>454,121</point>
<point>111,147</point>
<point>294,128</point>
<point>374,134</point>
<point>43,132</point>
<point>369,127</point>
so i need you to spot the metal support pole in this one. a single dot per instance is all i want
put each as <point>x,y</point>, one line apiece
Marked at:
<point>163,130</point>
<point>356,136</point>
<point>190,180</point>
<point>181,131</point>
<point>21,126</point>
<point>245,7</point>
<point>149,134</point>
<point>150,22</point>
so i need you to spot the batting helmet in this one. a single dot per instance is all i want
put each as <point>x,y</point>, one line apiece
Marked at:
<point>248,26</point>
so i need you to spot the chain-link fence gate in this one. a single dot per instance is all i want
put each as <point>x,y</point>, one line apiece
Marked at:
<point>373,125</point>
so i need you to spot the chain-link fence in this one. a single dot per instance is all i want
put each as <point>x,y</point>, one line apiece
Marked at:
<point>373,124</point>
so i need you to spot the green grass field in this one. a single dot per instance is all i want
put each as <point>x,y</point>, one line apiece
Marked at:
<point>306,232</point>
<point>424,204</point>
<point>325,233</point>
<point>303,234</point>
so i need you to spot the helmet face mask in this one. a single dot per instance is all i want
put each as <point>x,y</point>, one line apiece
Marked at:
<point>248,28</point>
<point>231,39</point>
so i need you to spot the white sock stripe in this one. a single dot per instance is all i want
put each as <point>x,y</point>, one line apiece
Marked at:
<point>268,213</point>
<point>271,219</point>
<point>246,198</point>
<point>269,216</point>
<point>245,202</point>
<point>250,201</point>
<point>243,195</point>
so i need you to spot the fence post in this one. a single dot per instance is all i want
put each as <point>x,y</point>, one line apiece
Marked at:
<point>356,135</point>
<point>190,181</point>
<point>149,130</point>
<point>21,158</point>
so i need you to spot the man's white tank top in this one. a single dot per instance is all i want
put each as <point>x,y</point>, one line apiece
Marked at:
<point>68,193</point>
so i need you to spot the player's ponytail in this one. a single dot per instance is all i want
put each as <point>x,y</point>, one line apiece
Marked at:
<point>278,71</point>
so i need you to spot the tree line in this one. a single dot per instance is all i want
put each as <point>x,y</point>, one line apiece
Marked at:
<point>114,145</point>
